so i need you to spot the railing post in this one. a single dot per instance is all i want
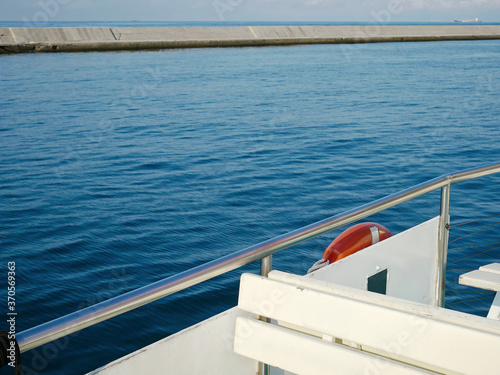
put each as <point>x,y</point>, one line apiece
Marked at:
<point>444,227</point>
<point>266,265</point>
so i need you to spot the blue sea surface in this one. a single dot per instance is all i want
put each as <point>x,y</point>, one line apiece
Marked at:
<point>119,169</point>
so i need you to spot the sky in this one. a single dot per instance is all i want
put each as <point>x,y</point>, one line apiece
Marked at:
<point>250,10</point>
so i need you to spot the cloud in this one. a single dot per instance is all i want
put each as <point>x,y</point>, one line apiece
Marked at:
<point>313,3</point>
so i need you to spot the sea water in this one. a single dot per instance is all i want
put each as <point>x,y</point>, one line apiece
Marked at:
<point>119,169</point>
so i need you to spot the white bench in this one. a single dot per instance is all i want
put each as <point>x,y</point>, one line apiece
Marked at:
<point>326,328</point>
<point>486,277</point>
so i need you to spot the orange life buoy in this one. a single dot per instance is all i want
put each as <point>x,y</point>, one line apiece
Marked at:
<point>350,241</point>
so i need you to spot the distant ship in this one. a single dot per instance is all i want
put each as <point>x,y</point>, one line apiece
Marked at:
<point>475,20</point>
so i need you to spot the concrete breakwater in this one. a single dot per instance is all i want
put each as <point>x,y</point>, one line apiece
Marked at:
<point>81,39</point>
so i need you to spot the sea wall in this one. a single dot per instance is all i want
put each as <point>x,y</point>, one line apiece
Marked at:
<point>80,39</point>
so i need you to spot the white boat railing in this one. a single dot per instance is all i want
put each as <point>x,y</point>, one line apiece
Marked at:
<point>89,316</point>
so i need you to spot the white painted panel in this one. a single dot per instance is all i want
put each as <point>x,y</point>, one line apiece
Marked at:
<point>410,258</point>
<point>203,349</point>
<point>444,339</point>
<point>307,355</point>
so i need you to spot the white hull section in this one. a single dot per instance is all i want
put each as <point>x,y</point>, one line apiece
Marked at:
<point>205,348</point>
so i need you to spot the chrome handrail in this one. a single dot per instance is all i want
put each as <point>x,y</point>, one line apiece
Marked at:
<point>86,317</point>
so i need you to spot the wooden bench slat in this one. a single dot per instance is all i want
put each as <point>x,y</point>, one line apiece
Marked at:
<point>307,355</point>
<point>410,307</point>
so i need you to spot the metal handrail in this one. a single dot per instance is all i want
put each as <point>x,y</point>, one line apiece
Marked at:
<point>86,317</point>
